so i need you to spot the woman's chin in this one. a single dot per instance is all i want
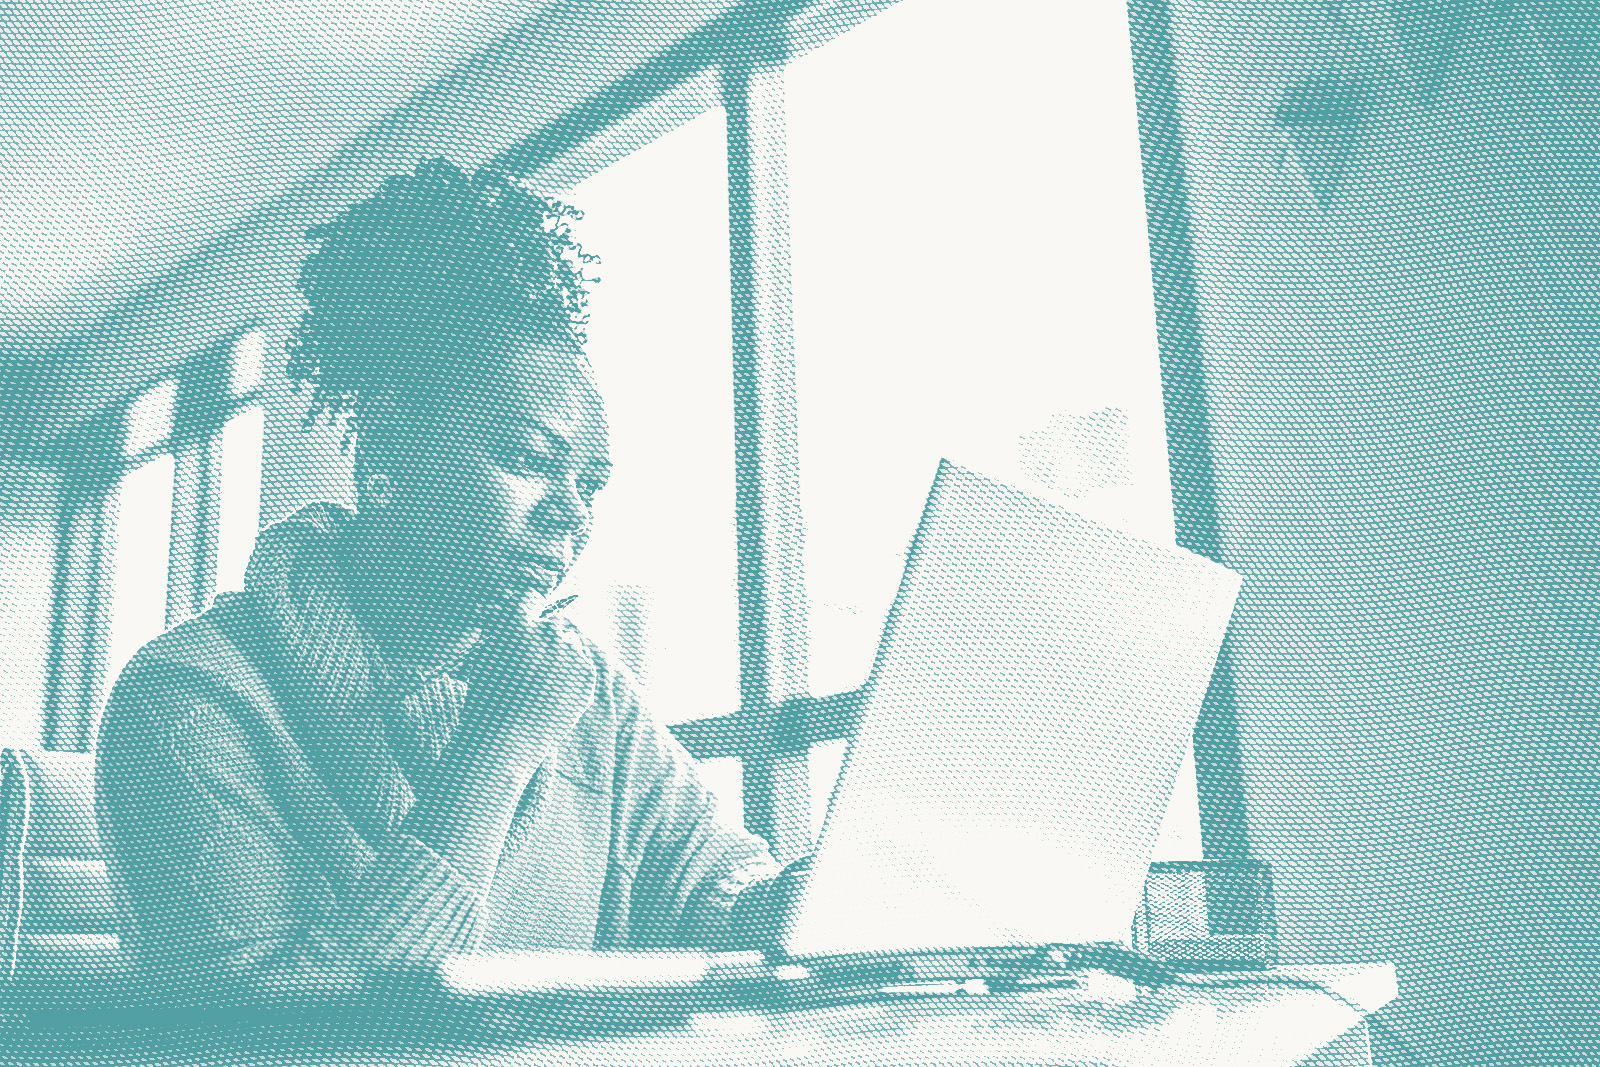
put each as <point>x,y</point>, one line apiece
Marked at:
<point>511,603</point>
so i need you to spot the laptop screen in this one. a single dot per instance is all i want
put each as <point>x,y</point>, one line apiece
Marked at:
<point>1035,688</point>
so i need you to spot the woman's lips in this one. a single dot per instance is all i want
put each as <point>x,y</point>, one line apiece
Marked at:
<point>544,575</point>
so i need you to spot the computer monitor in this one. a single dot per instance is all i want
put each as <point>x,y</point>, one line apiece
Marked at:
<point>1035,687</point>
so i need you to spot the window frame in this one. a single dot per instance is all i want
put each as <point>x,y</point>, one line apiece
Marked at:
<point>84,582</point>
<point>206,402</point>
<point>1219,768</point>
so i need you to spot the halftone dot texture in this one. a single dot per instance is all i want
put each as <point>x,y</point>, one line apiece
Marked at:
<point>1373,228</point>
<point>1374,233</point>
<point>1025,720</point>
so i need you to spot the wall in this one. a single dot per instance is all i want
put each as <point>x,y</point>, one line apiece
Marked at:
<point>1400,367</point>
<point>30,498</point>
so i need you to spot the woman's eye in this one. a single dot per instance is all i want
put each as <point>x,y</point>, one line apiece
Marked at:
<point>549,467</point>
<point>527,463</point>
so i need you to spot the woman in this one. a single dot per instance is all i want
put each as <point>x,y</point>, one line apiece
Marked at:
<point>389,747</point>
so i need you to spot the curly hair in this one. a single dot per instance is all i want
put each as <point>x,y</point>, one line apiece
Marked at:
<point>406,287</point>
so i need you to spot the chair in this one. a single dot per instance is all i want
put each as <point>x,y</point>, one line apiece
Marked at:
<point>56,900</point>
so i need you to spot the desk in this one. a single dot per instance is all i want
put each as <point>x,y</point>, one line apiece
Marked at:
<point>1259,1026</point>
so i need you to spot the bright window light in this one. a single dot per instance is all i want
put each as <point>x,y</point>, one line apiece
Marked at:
<point>27,569</point>
<point>724,777</point>
<point>141,540</point>
<point>149,419</point>
<point>248,361</point>
<point>971,280</point>
<point>239,510</point>
<point>658,580</point>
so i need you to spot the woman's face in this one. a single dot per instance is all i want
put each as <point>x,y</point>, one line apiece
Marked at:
<point>496,505</point>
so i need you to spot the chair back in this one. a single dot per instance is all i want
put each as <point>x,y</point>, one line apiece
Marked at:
<point>56,898</point>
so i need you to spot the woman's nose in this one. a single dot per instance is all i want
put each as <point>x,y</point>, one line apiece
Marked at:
<point>565,506</point>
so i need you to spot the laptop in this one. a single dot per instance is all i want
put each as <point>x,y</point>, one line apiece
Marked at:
<point>1035,689</point>
<point>1033,694</point>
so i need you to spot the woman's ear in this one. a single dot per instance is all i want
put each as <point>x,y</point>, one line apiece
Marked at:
<point>374,490</point>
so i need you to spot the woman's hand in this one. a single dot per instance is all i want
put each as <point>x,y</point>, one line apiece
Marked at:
<point>764,912</point>
<point>530,681</point>
<point>528,684</point>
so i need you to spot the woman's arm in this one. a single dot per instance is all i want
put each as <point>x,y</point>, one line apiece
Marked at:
<point>688,865</point>
<point>233,861</point>
<point>528,686</point>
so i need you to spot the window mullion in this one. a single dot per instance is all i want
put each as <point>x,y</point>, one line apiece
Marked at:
<point>195,513</point>
<point>773,663</point>
<point>82,600</point>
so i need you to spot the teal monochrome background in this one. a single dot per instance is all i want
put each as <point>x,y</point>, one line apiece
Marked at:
<point>1374,240</point>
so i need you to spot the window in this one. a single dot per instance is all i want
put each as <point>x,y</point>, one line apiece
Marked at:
<point>175,522</point>
<point>140,535</point>
<point>658,581</point>
<point>218,443</point>
<point>239,488</point>
<point>137,536</point>
<point>970,280</point>
<point>30,502</point>
<point>239,462</point>
<point>962,286</point>
<point>147,426</point>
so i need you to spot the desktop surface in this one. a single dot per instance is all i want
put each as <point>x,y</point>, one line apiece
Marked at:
<point>1259,1024</point>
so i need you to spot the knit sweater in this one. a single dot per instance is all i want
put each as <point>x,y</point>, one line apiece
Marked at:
<point>254,775</point>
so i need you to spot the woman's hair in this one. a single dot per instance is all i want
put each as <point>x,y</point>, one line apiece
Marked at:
<point>408,288</point>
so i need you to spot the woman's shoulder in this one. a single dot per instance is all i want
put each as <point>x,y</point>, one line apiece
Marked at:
<point>199,663</point>
<point>213,644</point>
<point>614,721</point>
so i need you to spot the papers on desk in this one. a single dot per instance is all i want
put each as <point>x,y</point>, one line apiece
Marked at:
<point>533,973</point>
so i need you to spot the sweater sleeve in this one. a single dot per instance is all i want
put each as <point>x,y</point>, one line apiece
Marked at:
<point>232,861</point>
<point>686,864</point>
